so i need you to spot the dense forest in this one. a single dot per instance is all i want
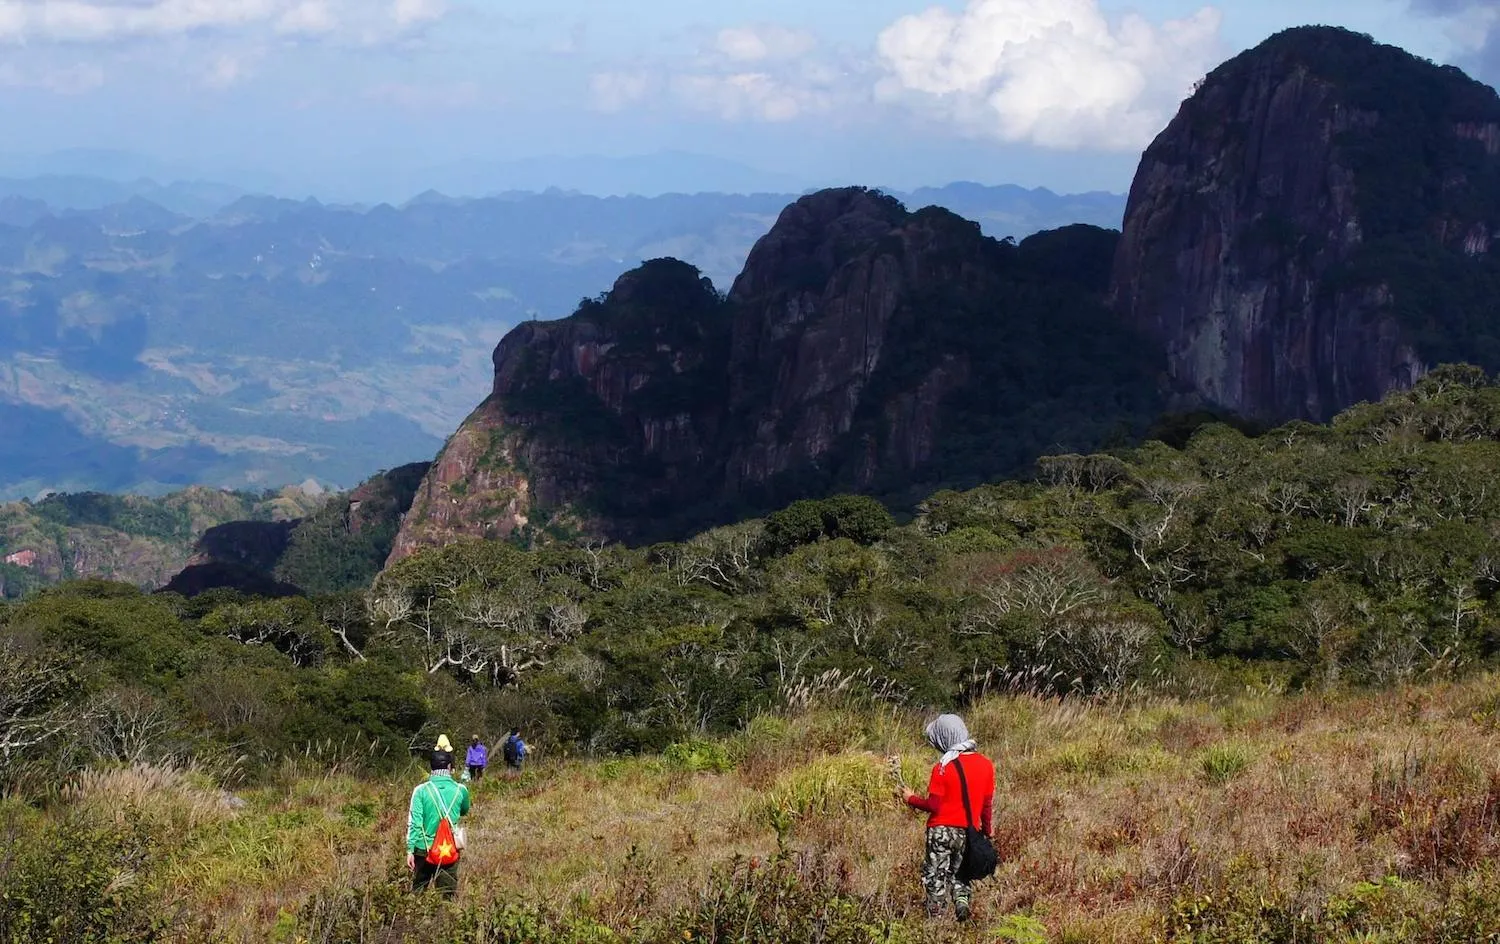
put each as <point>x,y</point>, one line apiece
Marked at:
<point>1359,553</point>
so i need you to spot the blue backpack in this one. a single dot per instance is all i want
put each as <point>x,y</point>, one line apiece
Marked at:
<point>512,749</point>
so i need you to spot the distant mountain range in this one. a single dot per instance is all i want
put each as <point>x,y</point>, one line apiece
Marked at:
<point>158,335</point>
<point>68,192</point>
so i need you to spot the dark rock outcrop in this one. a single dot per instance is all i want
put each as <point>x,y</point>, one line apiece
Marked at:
<point>254,545</point>
<point>863,348</point>
<point>619,403</point>
<point>817,301</point>
<point>196,579</point>
<point>339,547</point>
<point>1316,227</point>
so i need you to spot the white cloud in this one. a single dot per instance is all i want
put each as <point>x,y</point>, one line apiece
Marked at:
<point>69,80</point>
<point>92,21</point>
<point>617,91</point>
<point>766,41</point>
<point>1055,73</point>
<point>740,95</point>
<point>1473,27</point>
<point>760,73</point>
<point>758,96</point>
<point>409,13</point>
<point>309,18</point>
<point>12,20</point>
<point>227,70</point>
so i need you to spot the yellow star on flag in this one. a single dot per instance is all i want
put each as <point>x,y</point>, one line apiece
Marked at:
<point>445,850</point>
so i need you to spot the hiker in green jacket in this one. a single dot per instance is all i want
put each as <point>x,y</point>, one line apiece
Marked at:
<point>432,852</point>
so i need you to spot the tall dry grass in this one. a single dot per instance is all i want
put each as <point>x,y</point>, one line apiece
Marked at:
<point>1269,817</point>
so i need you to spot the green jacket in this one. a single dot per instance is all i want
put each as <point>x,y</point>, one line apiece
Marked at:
<point>428,801</point>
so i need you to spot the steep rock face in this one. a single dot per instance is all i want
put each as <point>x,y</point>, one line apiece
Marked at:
<point>473,488</point>
<point>1282,233</point>
<point>863,348</point>
<point>377,504</point>
<point>816,303</point>
<point>595,421</point>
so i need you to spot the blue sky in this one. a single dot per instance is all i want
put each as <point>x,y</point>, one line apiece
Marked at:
<point>359,99</point>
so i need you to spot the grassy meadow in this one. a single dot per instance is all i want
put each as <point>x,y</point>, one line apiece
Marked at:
<point>1263,817</point>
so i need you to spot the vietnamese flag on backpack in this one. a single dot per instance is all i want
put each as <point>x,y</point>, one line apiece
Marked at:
<point>444,850</point>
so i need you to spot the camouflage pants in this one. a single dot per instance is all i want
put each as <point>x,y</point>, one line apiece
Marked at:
<point>443,878</point>
<point>945,850</point>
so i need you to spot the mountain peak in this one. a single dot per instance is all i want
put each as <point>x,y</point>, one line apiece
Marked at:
<point>664,282</point>
<point>815,234</point>
<point>1316,226</point>
<point>863,347</point>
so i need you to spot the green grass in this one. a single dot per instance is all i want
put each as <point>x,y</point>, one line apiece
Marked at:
<point>1224,762</point>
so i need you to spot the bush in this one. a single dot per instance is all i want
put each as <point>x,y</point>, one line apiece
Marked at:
<point>71,880</point>
<point>801,898</point>
<point>699,757</point>
<point>365,701</point>
<point>859,518</point>
<point>1443,813</point>
<point>830,786</point>
<point>1224,762</point>
<point>1389,910</point>
<point>1019,929</point>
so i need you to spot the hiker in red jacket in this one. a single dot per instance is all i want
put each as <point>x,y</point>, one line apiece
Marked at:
<point>947,818</point>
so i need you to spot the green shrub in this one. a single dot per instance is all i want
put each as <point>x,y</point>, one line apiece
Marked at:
<point>71,881</point>
<point>801,898</point>
<point>1090,759</point>
<point>1019,929</point>
<point>1224,762</point>
<point>360,814</point>
<point>767,729</point>
<point>1390,911</point>
<point>698,757</point>
<point>859,518</point>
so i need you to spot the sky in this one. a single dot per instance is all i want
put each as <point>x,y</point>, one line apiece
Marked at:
<point>381,99</point>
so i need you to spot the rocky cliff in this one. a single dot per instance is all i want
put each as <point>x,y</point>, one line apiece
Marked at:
<point>863,347</point>
<point>1316,227</point>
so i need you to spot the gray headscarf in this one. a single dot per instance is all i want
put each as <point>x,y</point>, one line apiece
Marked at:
<point>949,735</point>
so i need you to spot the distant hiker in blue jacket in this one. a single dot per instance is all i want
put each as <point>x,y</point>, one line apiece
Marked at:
<point>515,751</point>
<point>477,758</point>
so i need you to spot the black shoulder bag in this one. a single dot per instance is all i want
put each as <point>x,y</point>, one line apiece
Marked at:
<point>980,859</point>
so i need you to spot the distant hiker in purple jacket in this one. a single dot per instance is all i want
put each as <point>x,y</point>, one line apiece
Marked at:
<point>477,758</point>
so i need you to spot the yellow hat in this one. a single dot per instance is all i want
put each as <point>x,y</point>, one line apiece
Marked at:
<point>443,743</point>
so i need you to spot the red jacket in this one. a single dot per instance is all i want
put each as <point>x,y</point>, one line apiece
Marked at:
<point>944,803</point>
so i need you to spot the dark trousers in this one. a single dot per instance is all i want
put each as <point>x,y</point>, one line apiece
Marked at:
<point>444,878</point>
<point>476,771</point>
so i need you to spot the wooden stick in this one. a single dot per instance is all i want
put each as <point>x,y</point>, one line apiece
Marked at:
<point>893,767</point>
